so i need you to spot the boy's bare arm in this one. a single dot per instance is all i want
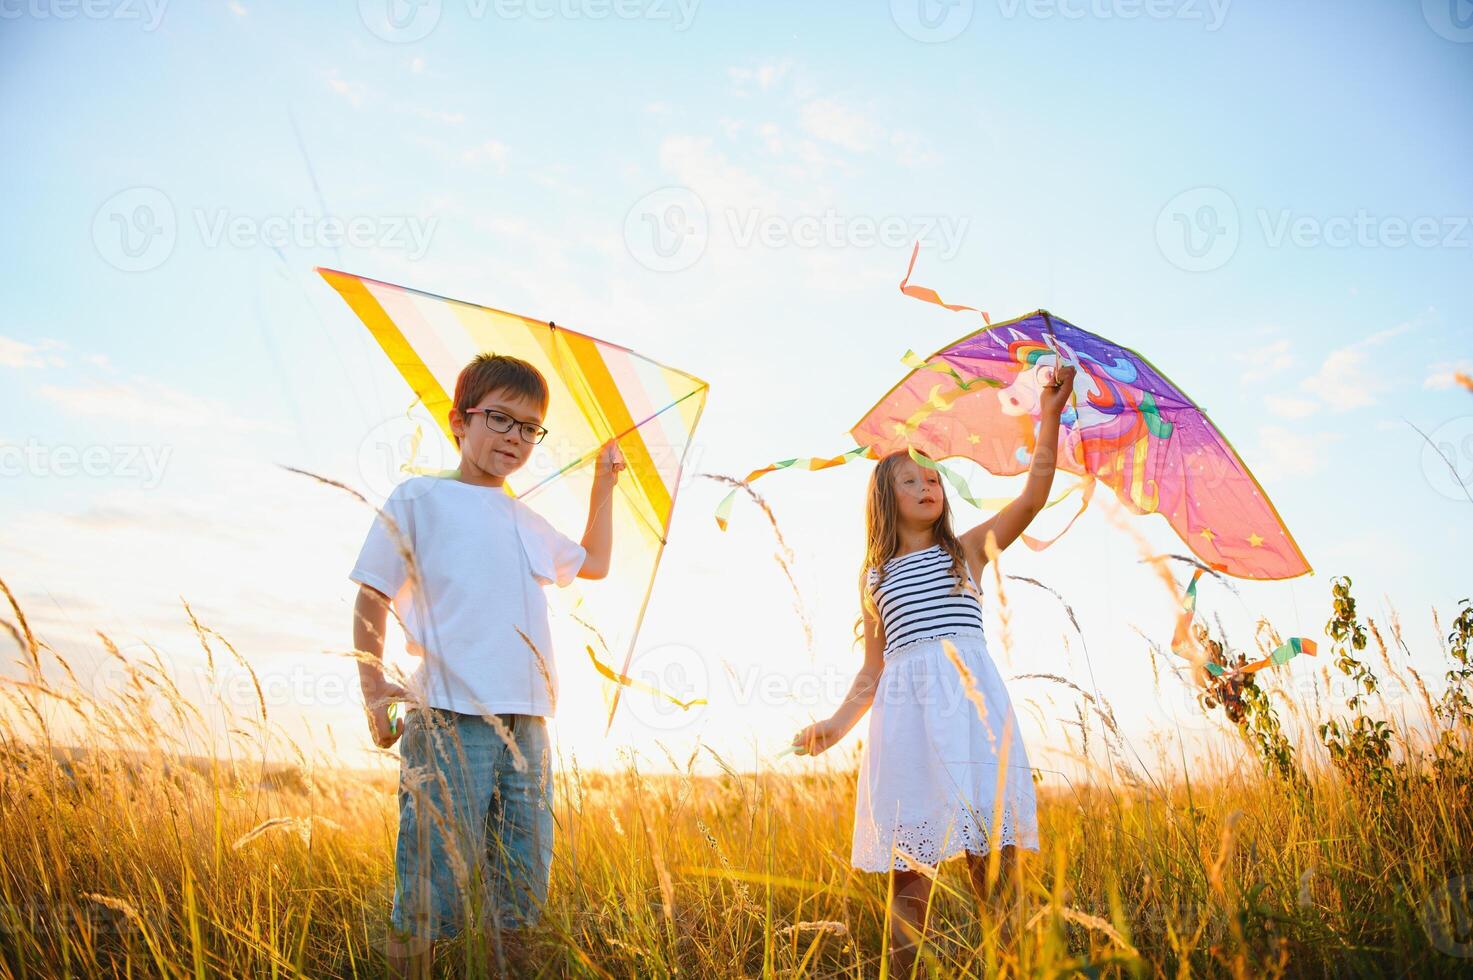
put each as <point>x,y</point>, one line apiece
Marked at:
<point>370,617</point>
<point>598,535</point>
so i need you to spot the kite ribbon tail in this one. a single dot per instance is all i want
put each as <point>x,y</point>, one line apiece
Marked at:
<point>1287,651</point>
<point>811,463</point>
<point>624,680</point>
<point>1088,483</point>
<point>1181,634</point>
<point>416,439</point>
<point>928,295</point>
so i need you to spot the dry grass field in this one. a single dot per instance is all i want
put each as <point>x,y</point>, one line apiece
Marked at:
<point>1312,846</point>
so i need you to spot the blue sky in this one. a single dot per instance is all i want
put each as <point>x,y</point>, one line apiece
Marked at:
<point>1047,155</point>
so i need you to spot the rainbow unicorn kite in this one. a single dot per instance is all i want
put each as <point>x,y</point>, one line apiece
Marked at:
<point>1128,427</point>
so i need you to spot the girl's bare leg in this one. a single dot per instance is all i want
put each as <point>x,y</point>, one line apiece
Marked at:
<point>999,897</point>
<point>910,897</point>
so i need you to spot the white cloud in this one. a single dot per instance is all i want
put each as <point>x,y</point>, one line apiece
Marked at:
<point>148,402</point>
<point>1349,377</point>
<point>764,76</point>
<point>823,119</point>
<point>490,151</point>
<point>507,227</point>
<point>814,163</point>
<point>1443,374</point>
<point>1264,360</point>
<point>556,177</point>
<point>236,9</point>
<point>771,138</point>
<point>720,183</point>
<point>1291,408</point>
<point>828,120</point>
<point>911,150</point>
<point>441,116</point>
<point>352,91</point>
<point>1381,336</point>
<point>19,354</point>
<point>1345,381</point>
<point>417,65</point>
<point>1290,453</point>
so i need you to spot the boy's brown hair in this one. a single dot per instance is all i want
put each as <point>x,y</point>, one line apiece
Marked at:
<point>487,372</point>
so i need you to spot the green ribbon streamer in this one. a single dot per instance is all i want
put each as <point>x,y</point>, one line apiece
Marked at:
<point>913,360</point>
<point>1286,652</point>
<point>959,484</point>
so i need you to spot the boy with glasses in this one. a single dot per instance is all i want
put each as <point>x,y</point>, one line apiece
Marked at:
<point>463,564</point>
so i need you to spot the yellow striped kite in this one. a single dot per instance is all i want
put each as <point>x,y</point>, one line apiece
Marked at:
<point>599,391</point>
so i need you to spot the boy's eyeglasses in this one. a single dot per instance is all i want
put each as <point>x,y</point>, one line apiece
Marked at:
<point>501,422</point>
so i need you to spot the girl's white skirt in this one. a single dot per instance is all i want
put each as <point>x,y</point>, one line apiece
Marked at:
<point>935,767</point>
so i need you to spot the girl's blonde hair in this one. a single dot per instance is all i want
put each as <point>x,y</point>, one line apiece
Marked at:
<point>882,529</point>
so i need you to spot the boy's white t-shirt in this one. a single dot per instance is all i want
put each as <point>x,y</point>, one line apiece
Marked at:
<point>482,558</point>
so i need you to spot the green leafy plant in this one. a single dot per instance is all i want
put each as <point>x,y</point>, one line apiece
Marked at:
<point>1359,746</point>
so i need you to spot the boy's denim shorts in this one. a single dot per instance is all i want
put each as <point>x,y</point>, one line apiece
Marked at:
<point>474,833</point>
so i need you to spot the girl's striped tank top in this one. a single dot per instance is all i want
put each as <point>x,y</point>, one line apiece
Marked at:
<point>918,599</point>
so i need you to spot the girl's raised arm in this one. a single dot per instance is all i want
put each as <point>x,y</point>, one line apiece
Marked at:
<point>1007,524</point>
